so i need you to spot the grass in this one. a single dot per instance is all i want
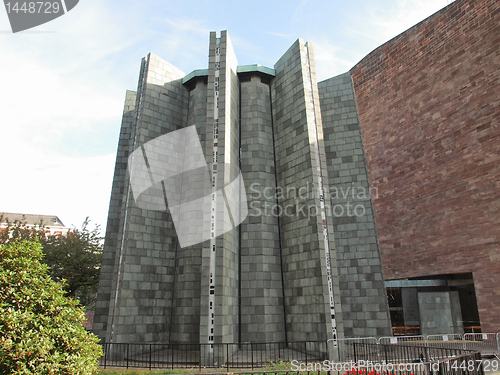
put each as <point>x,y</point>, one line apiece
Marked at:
<point>116,371</point>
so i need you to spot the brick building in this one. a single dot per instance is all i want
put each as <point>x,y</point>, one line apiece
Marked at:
<point>51,224</point>
<point>429,108</point>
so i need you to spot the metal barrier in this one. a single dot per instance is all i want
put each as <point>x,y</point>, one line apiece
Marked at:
<point>455,340</point>
<point>498,344</point>
<point>418,340</point>
<point>409,353</point>
<point>409,349</point>
<point>486,343</point>
<point>467,364</point>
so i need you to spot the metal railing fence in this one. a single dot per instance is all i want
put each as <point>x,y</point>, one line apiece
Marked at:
<point>486,343</point>
<point>467,364</point>
<point>225,355</point>
<point>411,349</point>
<point>389,353</point>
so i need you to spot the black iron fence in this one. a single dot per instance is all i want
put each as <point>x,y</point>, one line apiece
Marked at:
<point>424,359</point>
<point>245,355</point>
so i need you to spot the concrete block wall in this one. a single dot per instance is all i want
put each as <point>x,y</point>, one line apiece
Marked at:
<point>147,271</point>
<point>205,311</point>
<point>226,261</point>
<point>364,300</point>
<point>301,232</point>
<point>437,314</point>
<point>120,180</point>
<point>145,254</point>
<point>273,279</point>
<point>197,112</point>
<point>185,325</point>
<point>329,266</point>
<point>262,309</point>
<point>109,313</point>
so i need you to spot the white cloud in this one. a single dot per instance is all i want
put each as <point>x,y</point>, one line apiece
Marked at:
<point>372,25</point>
<point>69,77</point>
<point>382,22</point>
<point>55,84</point>
<point>281,35</point>
<point>41,106</point>
<point>184,25</point>
<point>41,183</point>
<point>330,59</point>
<point>183,42</point>
<point>298,14</point>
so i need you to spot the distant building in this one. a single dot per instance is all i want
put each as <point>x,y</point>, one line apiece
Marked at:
<point>51,224</point>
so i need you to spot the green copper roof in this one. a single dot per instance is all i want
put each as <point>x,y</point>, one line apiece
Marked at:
<point>256,68</point>
<point>194,74</point>
<point>243,69</point>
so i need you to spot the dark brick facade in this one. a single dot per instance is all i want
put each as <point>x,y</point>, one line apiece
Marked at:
<point>429,105</point>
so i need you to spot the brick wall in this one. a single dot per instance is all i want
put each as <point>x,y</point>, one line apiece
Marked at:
<point>429,112</point>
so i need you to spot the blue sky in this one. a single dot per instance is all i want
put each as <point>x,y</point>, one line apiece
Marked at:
<point>63,83</point>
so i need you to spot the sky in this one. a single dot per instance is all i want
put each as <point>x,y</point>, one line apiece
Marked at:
<point>63,83</point>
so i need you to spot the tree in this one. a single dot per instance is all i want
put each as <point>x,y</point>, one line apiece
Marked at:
<point>42,330</point>
<point>19,231</point>
<point>75,257</point>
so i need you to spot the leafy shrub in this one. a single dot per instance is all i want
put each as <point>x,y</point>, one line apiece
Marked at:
<point>41,329</point>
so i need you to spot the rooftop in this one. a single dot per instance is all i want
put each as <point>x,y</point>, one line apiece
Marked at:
<point>49,220</point>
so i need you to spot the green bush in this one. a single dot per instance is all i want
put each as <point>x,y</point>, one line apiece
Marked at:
<point>41,329</point>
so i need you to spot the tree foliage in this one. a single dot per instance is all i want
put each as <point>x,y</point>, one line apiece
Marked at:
<point>75,257</point>
<point>19,231</point>
<point>42,330</point>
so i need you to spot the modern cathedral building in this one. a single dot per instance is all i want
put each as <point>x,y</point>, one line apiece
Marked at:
<point>304,263</point>
<point>241,208</point>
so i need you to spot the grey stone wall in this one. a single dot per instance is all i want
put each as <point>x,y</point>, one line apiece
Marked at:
<point>227,260</point>
<point>438,313</point>
<point>185,325</point>
<point>275,273</point>
<point>143,312</point>
<point>262,313</point>
<point>141,292</point>
<point>333,312</point>
<point>114,215</point>
<point>364,300</point>
<point>301,227</point>
<point>226,263</point>
<point>456,313</point>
